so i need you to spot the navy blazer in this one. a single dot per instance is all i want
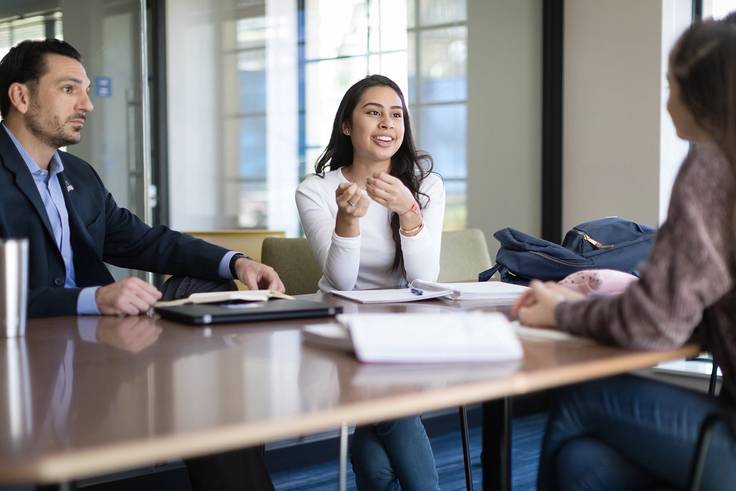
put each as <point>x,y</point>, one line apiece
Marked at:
<point>100,232</point>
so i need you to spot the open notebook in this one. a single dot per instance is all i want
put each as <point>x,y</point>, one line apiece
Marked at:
<point>420,338</point>
<point>491,292</point>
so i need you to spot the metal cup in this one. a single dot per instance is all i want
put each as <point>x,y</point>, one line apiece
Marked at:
<point>13,287</point>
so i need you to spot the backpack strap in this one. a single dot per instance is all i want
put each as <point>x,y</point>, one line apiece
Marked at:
<point>488,273</point>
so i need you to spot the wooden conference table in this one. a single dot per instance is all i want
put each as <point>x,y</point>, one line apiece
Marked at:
<point>81,396</point>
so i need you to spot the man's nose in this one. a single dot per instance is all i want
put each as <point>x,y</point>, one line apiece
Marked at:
<point>85,103</point>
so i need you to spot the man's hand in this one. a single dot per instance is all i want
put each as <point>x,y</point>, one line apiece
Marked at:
<point>131,296</point>
<point>131,334</point>
<point>257,276</point>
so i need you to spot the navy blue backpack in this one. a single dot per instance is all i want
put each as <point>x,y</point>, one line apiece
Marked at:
<point>607,243</point>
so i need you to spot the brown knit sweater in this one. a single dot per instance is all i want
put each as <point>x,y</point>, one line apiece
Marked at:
<point>688,284</point>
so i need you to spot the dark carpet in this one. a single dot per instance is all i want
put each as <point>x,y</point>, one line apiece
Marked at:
<point>526,437</point>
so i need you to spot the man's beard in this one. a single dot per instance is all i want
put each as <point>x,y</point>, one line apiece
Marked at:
<point>52,133</point>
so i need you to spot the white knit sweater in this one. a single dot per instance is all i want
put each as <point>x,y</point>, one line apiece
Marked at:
<point>364,262</point>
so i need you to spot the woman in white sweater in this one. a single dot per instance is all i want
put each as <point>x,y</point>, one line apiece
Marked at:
<point>374,220</point>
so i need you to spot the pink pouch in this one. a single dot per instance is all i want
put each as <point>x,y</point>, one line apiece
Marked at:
<point>598,281</point>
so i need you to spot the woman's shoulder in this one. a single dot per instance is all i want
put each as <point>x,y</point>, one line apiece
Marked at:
<point>432,183</point>
<point>705,170</point>
<point>316,182</point>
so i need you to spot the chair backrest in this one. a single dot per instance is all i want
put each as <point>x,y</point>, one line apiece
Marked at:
<point>464,254</point>
<point>247,241</point>
<point>294,262</point>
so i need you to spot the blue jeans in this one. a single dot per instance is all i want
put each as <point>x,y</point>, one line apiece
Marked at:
<point>631,433</point>
<point>393,455</point>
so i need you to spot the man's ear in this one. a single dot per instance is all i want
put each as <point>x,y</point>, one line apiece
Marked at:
<point>20,97</point>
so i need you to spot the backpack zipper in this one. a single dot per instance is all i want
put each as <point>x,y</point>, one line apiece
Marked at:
<point>559,261</point>
<point>592,241</point>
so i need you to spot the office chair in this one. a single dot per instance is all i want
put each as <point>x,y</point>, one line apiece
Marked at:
<point>704,437</point>
<point>464,254</point>
<point>294,262</point>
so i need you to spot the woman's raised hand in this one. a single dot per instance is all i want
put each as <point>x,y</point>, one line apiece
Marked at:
<point>390,192</point>
<point>352,201</point>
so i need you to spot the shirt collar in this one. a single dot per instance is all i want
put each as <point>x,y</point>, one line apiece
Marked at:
<point>55,166</point>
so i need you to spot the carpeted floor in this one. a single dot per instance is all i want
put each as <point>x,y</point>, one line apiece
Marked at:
<point>527,437</point>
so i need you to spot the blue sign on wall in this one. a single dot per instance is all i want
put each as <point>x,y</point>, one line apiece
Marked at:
<point>103,86</point>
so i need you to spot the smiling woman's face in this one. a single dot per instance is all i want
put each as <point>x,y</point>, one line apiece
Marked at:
<point>377,125</point>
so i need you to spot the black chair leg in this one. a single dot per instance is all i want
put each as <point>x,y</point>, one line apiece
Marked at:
<point>701,453</point>
<point>465,434</point>
<point>713,379</point>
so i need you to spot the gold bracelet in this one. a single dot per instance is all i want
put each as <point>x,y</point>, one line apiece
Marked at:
<point>412,231</point>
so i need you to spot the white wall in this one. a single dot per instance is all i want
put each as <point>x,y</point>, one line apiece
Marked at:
<point>616,144</point>
<point>504,115</point>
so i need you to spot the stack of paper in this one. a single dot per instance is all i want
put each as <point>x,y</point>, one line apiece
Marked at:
<point>393,295</point>
<point>424,338</point>
<point>495,292</point>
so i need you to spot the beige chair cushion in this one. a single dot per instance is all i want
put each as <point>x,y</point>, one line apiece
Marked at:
<point>464,254</point>
<point>294,262</point>
<point>247,241</point>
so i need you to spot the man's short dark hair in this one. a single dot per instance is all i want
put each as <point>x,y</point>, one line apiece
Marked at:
<point>26,62</point>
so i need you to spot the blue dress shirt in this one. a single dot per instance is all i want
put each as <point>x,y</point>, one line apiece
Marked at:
<point>49,188</point>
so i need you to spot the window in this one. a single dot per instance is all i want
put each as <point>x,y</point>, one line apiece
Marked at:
<point>422,46</point>
<point>718,8</point>
<point>337,53</point>
<point>40,26</point>
<point>438,93</point>
<point>244,112</point>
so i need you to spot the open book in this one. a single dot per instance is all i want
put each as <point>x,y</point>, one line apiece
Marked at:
<point>420,338</point>
<point>229,296</point>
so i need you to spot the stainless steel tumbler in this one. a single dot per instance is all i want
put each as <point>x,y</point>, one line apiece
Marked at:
<point>13,287</point>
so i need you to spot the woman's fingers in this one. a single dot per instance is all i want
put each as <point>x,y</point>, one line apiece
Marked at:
<point>525,300</point>
<point>542,311</point>
<point>379,193</point>
<point>345,194</point>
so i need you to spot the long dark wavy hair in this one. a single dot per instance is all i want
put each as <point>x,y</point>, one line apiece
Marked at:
<point>703,62</point>
<point>408,164</point>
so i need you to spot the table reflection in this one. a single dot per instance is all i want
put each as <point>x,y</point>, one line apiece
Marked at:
<point>132,334</point>
<point>16,413</point>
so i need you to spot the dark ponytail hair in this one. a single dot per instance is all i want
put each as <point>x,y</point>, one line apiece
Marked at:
<point>407,164</point>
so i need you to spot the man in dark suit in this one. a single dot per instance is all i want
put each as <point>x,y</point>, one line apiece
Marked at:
<point>60,204</point>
